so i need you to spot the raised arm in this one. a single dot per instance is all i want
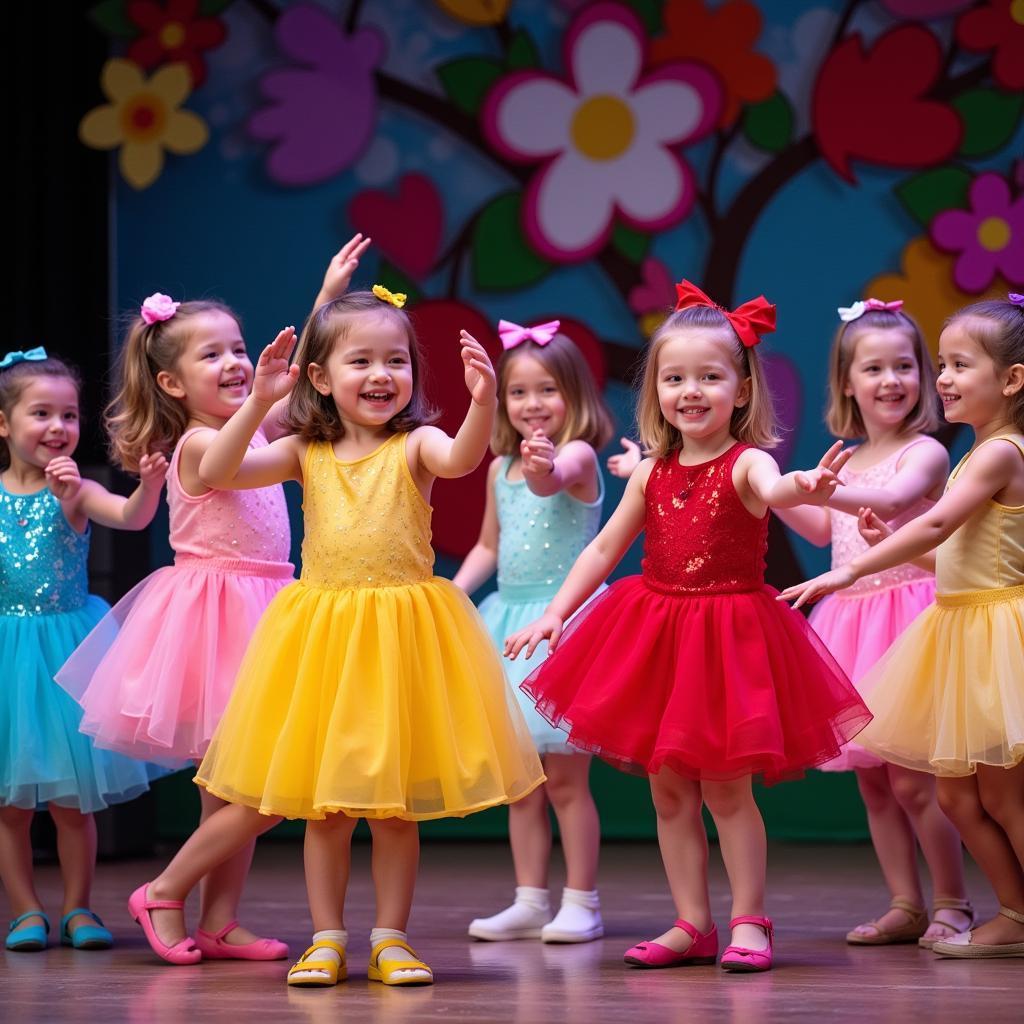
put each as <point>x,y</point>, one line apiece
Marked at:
<point>340,269</point>
<point>548,472</point>
<point>87,499</point>
<point>800,487</point>
<point>623,464</point>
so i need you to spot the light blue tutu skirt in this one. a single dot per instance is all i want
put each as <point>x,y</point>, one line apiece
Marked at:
<point>43,757</point>
<point>504,612</point>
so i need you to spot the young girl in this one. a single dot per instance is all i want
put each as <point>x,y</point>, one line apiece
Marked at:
<point>183,373</point>
<point>370,688</point>
<point>688,673</point>
<point>45,610</point>
<point>881,389</point>
<point>948,695</point>
<point>544,499</point>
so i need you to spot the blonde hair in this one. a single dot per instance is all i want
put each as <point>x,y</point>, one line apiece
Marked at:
<point>313,416</point>
<point>843,416</point>
<point>142,417</point>
<point>754,423</point>
<point>586,416</point>
<point>13,381</point>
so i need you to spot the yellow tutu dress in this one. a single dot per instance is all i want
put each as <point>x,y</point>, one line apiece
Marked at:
<point>370,686</point>
<point>949,694</point>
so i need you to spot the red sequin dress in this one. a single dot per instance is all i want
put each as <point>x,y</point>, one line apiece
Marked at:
<point>694,665</point>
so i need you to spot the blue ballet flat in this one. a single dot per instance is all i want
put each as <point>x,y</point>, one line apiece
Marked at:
<point>31,939</point>
<point>85,936</point>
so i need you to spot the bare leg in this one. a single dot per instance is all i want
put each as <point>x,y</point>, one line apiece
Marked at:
<point>684,852</point>
<point>529,833</point>
<point>328,859</point>
<point>76,850</point>
<point>16,862</point>
<point>568,789</point>
<point>745,852</point>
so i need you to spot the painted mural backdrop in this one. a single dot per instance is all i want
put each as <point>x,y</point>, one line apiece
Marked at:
<point>537,159</point>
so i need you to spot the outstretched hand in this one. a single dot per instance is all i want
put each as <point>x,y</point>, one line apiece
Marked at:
<point>812,590</point>
<point>480,380</point>
<point>338,275</point>
<point>153,469</point>
<point>63,478</point>
<point>819,483</point>
<point>538,454</point>
<point>274,377</point>
<point>873,529</point>
<point>622,465</point>
<point>548,627</point>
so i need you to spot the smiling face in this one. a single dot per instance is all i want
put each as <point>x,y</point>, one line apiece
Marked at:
<point>884,379</point>
<point>43,423</point>
<point>533,399</point>
<point>970,384</point>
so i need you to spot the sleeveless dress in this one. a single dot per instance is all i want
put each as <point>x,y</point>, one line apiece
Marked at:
<point>539,540</point>
<point>45,611</point>
<point>155,675</point>
<point>370,686</point>
<point>693,665</point>
<point>949,695</point>
<point>859,624</point>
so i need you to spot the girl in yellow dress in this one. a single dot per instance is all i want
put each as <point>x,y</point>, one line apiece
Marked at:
<point>370,688</point>
<point>948,697</point>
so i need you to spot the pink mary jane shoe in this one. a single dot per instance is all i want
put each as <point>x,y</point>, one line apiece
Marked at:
<point>702,950</point>
<point>182,952</point>
<point>741,960</point>
<point>213,946</point>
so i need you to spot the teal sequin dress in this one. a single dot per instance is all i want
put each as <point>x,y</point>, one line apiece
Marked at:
<point>46,610</point>
<point>539,539</point>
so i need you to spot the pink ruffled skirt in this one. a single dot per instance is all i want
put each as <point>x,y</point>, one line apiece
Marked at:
<point>154,676</point>
<point>858,629</point>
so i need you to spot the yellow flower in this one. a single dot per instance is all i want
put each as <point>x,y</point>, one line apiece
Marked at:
<point>397,299</point>
<point>475,12</point>
<point>926,286</point>
<point>143,119</point>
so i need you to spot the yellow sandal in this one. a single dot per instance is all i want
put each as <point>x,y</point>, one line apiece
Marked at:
<point>909,932</point>
<point>335,972</point>
<point>948,903</point>
<point>385,972</point>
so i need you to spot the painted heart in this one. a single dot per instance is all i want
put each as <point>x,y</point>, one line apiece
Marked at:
<point>655,291</point>
<point>406,227</point>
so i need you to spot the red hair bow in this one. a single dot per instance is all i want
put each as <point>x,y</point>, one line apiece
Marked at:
<point>749,321</point>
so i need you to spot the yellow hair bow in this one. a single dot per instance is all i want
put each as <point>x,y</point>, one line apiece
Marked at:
<point>396,299</point>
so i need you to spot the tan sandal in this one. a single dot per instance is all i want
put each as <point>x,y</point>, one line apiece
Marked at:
<point>909,932</point>
<point>960,946</point>
<point>947,903</point>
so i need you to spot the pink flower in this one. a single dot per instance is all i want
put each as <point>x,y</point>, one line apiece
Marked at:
<point>989,237</point>
<point>158,307</point>
<point>606,135</point>
<point>321,115</point>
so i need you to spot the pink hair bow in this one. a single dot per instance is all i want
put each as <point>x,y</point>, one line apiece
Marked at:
<point>512,334</point>
<point>858,309</point>
<point>158,307</point>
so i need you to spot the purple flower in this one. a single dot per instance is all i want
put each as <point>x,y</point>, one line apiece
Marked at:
<point>321,114</point>
<point>989,237</point>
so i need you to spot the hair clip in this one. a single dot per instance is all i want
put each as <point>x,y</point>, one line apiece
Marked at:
<point>858,309</point>
<point>396,299</point>
<point>158,307</point>
<point>512,334</point>
<point>749,321</point>
<point>1017,299</point>
<point>33,355</point>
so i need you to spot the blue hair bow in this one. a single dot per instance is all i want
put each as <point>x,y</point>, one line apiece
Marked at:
<point>13,358</point>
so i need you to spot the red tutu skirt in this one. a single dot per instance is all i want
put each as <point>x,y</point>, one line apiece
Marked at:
<point>715,686</point>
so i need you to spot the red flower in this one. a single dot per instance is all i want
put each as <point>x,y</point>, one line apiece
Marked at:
<point>999,26</point>
<point>723,39</point>
<point>172,33</point>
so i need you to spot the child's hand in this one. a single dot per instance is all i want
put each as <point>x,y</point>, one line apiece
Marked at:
<point>480,379</point>
<point>819,483</point>
<point>624,464</point>
<point>538,455</point>
<point>274,377</point>
<point>341,268</point>
<point>812,590</point>
<point>872,529</point>
<point>547,627</point>
<point>153,470</point>
<point>62,477</point>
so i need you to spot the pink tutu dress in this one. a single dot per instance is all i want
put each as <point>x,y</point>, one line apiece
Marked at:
<point>858,624</point>
<point>154,676</point>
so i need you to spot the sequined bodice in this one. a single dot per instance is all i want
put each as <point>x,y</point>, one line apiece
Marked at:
<point>541,537</point>
<point>847,542</point>
<point>42,560</point>
<point>249,524</point>
<point>367,524</point>
<point>699,536</point>
<point>987,552</point>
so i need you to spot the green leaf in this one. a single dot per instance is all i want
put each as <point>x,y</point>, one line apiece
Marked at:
<point>522,52</point>
<point>208,8</point>
<point>467,81</point>
<point>502,258</point>
<point>394,280</point>
<point>650,14</point>
<point>110,17</point>
<point>990,119</point>
<point>929,193</point>
<point>632,244</point>
<point>769,124</point>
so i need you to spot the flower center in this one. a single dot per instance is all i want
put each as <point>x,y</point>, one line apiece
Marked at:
<point>143,118</point>
<point>1017,11</point>
<point>993,234</point>
<point>172,35</point>
<point>603,127</point>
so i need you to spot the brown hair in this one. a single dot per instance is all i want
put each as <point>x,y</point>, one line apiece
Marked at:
<point>586,416</point>
<point>754,423</point>
<point>13,381</point>
<point>842,415</point>
<point>998,327</point>
<point>142,417</point>
<point>313,416</point>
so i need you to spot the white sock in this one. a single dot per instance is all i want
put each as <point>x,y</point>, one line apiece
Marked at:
<point>394,954</point>
<point>337,935</point>
<point>578,918</point>
<point>530,911</point>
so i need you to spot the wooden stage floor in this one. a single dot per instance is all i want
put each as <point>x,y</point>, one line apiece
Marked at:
<point>815,894</point>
